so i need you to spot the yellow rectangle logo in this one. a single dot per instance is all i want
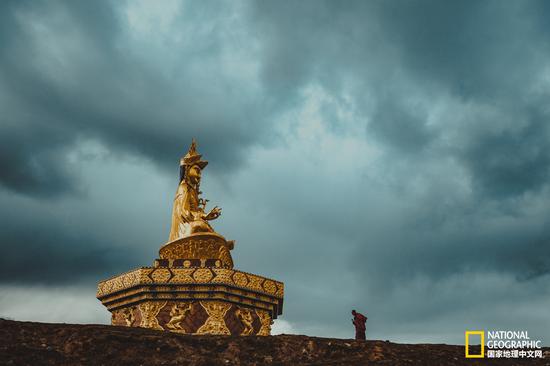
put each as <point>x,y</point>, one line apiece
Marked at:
<point>467,335</point>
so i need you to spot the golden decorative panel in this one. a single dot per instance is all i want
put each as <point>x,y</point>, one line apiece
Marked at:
<point>144,275</point>
<point>255,282</point>
<point>222,275</point>
<point>240,279</point>
<point>182,275</point>
<point>118,283</point>
<point>203,275</point>
<point>190,276</point>
<point>199,247</point>
<point>215,324</point>
<point>177,316</point>
<point>265,320</point>
<point>149,312</point>
<point>122,317</point>
<point>161,274</point>
<point>270,287</point>
<point>245,316</point>
<point>128,316</point>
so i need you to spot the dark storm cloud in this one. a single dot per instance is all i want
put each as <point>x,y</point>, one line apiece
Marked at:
<point>510,163</point>
<point>46,251</point>
<point>468,49</point>
<point>488,54</point>
<point>102,92</point>
<point>401,127</point>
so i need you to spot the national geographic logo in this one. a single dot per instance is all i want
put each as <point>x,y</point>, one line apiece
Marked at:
<point>475,333</point>
<point>502,344</point>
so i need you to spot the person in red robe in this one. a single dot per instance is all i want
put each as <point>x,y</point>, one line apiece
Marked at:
<point>359,320</point>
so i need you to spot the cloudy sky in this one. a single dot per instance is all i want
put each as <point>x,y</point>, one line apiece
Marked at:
<point>392,157</point>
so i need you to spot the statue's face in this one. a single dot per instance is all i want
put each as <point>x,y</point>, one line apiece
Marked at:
<point>194,174</point>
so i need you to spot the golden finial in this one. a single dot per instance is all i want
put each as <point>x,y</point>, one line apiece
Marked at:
<point>192,157</point>
<point>193,147</point>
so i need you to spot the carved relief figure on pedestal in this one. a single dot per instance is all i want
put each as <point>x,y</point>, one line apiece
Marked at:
<point>266,321</point>
<point>117,318</point>
<point>215,324</point>
<point>128,316</point>
<point>149,312</point>
<point>177,316</point>
<point>245,317</point>
<point>188,215</point>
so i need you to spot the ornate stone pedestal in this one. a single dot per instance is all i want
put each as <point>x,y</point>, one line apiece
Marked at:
<point>197,294</point>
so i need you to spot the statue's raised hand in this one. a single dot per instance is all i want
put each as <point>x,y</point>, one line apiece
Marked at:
<point>213,214</point>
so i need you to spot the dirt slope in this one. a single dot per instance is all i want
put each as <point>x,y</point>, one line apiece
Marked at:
<point>28,343</point>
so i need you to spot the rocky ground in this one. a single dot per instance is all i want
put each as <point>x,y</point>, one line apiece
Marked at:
<point>28,343</point>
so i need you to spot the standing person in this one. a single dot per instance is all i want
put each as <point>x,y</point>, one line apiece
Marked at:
<point>359,320</point>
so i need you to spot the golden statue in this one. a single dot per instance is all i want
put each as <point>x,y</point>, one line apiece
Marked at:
<point>188,216</point>
<point>191,236</point>
<point>193,275</point>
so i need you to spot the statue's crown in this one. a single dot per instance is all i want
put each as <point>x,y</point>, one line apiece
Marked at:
<point>193,157</point>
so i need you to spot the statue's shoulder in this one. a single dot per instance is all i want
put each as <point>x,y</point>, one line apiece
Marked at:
<point>182,188</point>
